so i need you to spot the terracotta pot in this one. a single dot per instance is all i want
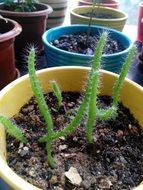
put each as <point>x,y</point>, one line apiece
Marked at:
<point>69,79</point>
<point>140,23</point>
<point>105,3</point>
<point>59,11</point>
<point>9,30</point>
<point>33,26</point>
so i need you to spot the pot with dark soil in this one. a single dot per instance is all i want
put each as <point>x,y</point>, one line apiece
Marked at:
<point>32,17</point>
<point>70,46</point>
<point>117,19</point>
<point>9,29</point>
<point>81,153</point>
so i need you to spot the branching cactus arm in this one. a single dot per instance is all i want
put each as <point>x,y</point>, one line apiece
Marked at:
<point>12,129</point>
<point>111,112</point>
<point>123,74</point>
<point>57,93</point>
<point>43,107</point>
<point>92,111</point>
<point>37,90</point>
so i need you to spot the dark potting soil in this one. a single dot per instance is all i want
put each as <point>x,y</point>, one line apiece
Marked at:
<point>113,162</point>
<point>77,43</point>
<point>100,15</point>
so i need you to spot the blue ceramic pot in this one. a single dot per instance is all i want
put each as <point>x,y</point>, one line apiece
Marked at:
<point>58,57</point>
<point>3,185</point>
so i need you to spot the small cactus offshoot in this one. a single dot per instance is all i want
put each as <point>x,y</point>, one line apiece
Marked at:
<point>57,93</point>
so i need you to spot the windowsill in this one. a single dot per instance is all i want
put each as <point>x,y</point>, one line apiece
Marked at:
<point>131,32</point>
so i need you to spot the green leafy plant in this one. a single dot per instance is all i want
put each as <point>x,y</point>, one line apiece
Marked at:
<point>88,105</point>
<point>20,5</point>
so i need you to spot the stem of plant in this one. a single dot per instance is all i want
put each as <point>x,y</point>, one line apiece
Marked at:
<point>95,2</point>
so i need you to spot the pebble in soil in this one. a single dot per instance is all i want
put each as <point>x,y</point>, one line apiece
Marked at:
<point>77,43</point>
<point>113,162</point>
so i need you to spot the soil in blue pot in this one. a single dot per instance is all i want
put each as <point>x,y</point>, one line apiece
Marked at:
<point>80,43</point>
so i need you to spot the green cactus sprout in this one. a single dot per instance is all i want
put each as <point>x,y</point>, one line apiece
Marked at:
<point>93,111</point>
<point>57,93</point>
<point>12,129</point>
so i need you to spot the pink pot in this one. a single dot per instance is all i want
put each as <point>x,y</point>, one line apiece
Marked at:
<point>140,23</point>
<point>105,3</point>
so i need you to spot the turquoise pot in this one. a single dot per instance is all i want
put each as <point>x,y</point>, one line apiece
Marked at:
<point>58,57</point>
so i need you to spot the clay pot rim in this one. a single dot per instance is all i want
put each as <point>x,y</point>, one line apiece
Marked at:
<point>16,30</point>
<point>123,15</point>
<point>45,11</point>
<point>116,3</point>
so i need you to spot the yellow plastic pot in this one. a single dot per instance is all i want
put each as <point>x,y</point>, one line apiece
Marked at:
<point>117,23</point>
<point>13,96</point>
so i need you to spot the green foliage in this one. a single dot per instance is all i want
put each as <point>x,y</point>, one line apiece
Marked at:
<point>20,5</point>
<point>57,92</point>
<point>12,129</point>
